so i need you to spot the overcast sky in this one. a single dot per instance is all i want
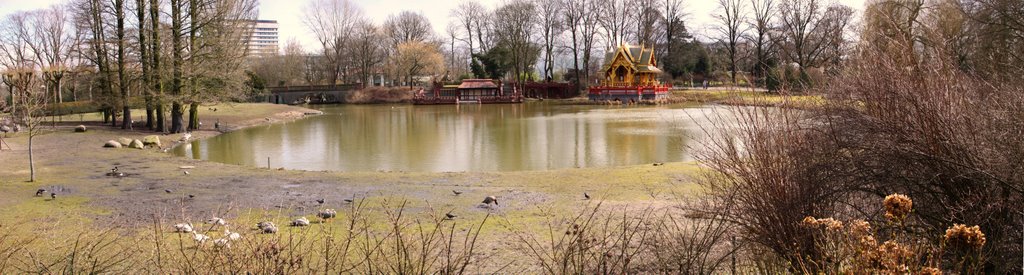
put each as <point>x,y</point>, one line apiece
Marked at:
<point>288,13</point>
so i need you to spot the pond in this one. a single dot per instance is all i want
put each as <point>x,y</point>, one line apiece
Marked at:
<point>443,138</point>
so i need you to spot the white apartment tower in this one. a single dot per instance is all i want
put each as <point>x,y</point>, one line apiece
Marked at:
<point>264,38</point>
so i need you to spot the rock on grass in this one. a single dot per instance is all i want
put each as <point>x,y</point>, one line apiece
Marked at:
<point>80,129</point>
<point>136,144</point>
<point>112,144</point>
<point>151,140</point>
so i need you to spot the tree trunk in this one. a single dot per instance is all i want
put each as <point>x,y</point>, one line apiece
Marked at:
<point>160,117</point>
<point>31,159</point>
<point>193,116</point>
<point>177,119</point>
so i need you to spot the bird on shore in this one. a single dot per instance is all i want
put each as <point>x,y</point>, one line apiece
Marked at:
<point>216,221</point>
<point>222,243</point>
<point>183,228</point>
<point>347,200</point>
<point>186,172</point>
<point>489,200</point>
<point>167,190</point>
<point>200,238</point>
<point>267,227</point>
<point>457,192</point>
<point>191,196</point>
<point>327,214</point>
<point>232,236</point>
<point>39,193</point>
<point>113,170</point>
<point>659,163</point>
<point>450,216</point>
<point>53,196</point>
<point>320,201</point>
<point>300,222</point>
<point>586,196</point>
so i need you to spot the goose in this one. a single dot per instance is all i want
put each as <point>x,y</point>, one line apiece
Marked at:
<point>186,172</point>
<point>300,222</point>
<point>490,199</point>
<point>327,214</point>
<point>222,243</point>
<point>347,200</point>
<point>320,201</point>
<point>200,238</point>
<point>39,193</point>
<point>53,196</point>
<point>267,227</point>
<point>183,228</point>
<point>232,236</point>
<point>168,191</point>
<point>216,221</point>
<point>586,196</point>
<point>450,216</point>
<point>457,192</point>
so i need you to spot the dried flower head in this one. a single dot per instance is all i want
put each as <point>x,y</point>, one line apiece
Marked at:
<point>860,228</point>
<point>929,271</point>
<point>868,242</point>
<point>828,223</point>
<point>809,221</point>
<point>893,256</point>
<point>962,236</point>
<point>897,206</point>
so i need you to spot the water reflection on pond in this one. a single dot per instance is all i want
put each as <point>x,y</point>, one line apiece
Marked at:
<point>502,137</point>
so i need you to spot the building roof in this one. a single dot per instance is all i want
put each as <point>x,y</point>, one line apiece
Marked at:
<point>477,84</point>
<point>642,58</point>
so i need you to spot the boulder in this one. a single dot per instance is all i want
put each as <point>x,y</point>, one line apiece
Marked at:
<point>80,129</point>
<point>112,144</point>
<point>137,144</point>
<point>124,141</point>
<point>151,140</point>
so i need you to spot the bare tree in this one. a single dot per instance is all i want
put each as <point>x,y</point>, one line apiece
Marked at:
<point>550,17</point>
<point>368,52</point>
<point>472,17</point>
<point>646,18</point>
<point>731,16</point>
<point>515,26</point>
<point>331,21</point>
<point>804,34</point>
<point>615,19</point>
<point>761,24</point>
<point>51,43</point>
<point>408,26</point>
<point>582,25</point>
<point>414,58</point>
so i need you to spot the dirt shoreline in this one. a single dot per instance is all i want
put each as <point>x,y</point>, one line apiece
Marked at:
<point>155,186</point>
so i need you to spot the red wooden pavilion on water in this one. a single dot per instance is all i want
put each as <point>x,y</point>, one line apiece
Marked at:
<point>469,91</point>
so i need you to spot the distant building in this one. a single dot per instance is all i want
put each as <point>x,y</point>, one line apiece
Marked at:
<point>263,39</point>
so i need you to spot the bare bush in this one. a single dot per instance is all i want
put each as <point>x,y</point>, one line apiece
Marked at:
<point>947,138</point>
